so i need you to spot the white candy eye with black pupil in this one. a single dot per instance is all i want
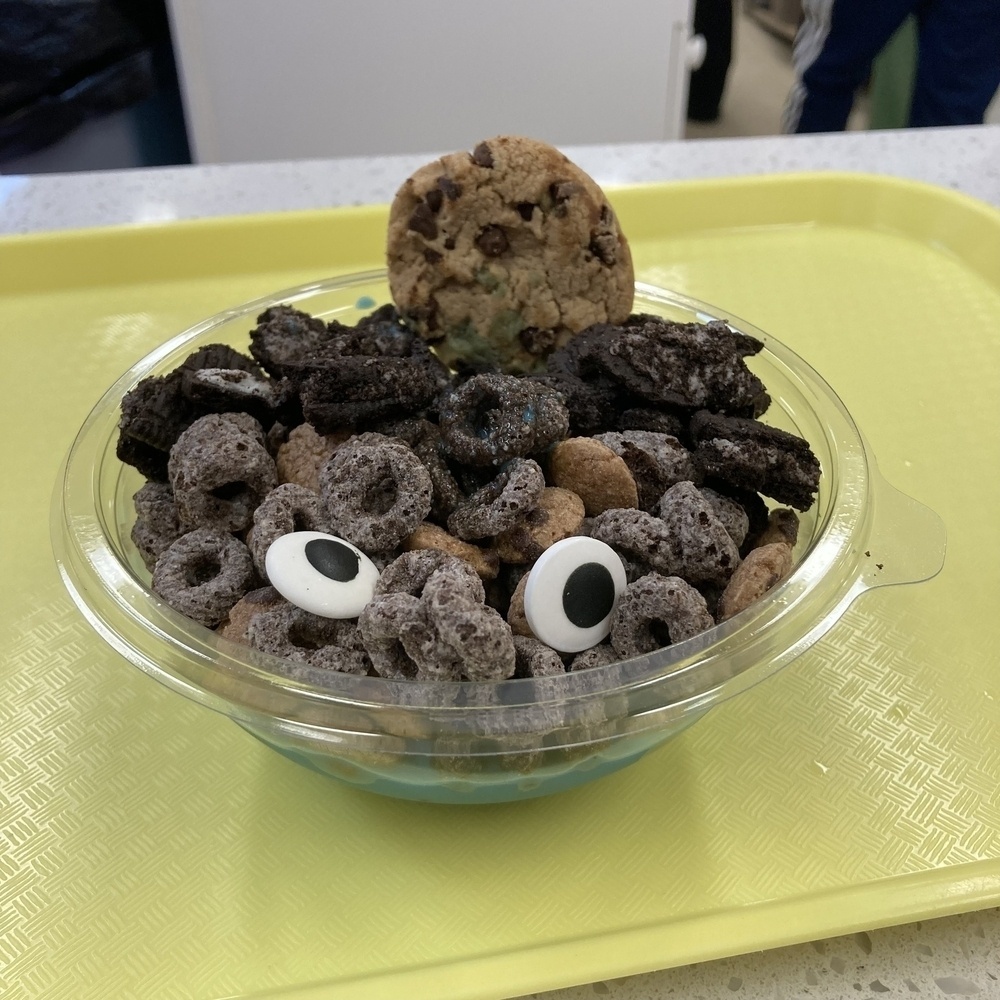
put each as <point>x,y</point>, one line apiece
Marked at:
<point>571,593</point>
<point>321,573</point>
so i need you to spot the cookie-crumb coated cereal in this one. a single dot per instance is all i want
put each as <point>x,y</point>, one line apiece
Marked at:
<point>203,574</point>
<point>285,509</point>
<point>375,491</point>
<point>704,551</point>
<point>656,611</point>
<point>535,659</point>
<point>503,502</point>
<point>219,471</point>
<point>295,634</point>
<point>491,419</point>
<point>157,523</point>
<point>427,620</point>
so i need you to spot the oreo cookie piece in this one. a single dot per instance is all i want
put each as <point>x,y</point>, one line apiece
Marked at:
<point>160,408</point>
<point>590,403</point>
<point>285,335</point>
<point>228,390</point>
<point>355,392</point>
<point>154,415</point>
<point>219,356</point>
<point>748,455</point>
<point>688,365</point>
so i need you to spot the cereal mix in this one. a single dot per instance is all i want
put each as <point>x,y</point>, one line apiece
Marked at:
<point>421,464</point>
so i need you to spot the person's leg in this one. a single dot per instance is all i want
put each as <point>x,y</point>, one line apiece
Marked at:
<point>713,19</point>
<point>958,63</point>
<point>837,61</point>
<point>809,40</point>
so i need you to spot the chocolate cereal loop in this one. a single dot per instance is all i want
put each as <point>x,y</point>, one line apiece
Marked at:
<point>428,620</point>
<point>290,632</point>
<point>157,525</point>
<point>493,418</point>
<point>203,574</point>
<point>285,509</point>
<point>220,471</point>
<point>375,491</point>
<point>500,504</point>
<point>657,611</point>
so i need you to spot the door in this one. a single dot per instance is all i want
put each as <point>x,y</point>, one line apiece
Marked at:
<point>264,80</point>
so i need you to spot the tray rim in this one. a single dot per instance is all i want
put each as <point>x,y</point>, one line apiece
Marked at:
<point>871,198</point>
<point>534,972</point>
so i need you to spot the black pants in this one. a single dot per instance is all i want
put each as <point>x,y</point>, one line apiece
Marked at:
<point>714,20</point>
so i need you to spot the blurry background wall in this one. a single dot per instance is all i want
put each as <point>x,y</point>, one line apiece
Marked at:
<point>92,84</point>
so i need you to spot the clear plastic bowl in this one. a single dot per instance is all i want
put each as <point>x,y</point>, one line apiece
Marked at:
<point>488,742</point>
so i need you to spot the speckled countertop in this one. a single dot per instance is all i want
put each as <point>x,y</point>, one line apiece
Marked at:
<point>956,956</point>
<point>966,159</point>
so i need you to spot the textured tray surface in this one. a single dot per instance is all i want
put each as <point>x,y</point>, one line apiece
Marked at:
<point>151,848</point>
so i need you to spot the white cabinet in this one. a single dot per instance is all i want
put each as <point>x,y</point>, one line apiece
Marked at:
<point>288,79</point>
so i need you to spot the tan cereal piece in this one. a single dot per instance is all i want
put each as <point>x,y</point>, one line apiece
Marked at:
<point>754,577</point>
<point>485,562</point>
<point>559,514</point>
<point>515,613</point>
<point>782,526</point>
<point>305,452</point>
<point>234,628</point>
<point>594,473</point>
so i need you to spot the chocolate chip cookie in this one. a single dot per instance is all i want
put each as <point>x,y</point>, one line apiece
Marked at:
<point>500,255</point>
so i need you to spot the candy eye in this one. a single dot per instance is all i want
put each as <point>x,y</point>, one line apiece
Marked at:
<point>571,593</point>
<point>321,573</point>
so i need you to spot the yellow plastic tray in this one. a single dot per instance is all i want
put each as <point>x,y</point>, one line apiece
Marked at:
<point>149,848</point>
